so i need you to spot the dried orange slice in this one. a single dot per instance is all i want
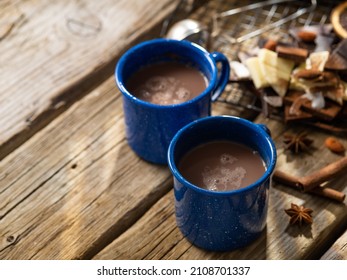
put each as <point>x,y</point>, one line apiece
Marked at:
<point>339,20</point>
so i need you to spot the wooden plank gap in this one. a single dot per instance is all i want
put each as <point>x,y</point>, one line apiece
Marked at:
<point>319,251</point>
<point>160,239</point>
<point>79,88</point>
<point>86,120</point>
<point>33,191</point>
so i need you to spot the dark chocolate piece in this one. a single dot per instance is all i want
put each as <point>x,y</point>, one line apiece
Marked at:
<point>299,116</point>
<point>328,113</point>
<point>296,54</point>
<point>338,58</point>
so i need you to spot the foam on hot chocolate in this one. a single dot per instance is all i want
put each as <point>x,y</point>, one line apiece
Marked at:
<point>222,166</point>
<point>167,83</point>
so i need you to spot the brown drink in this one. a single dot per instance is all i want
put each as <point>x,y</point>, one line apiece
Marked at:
<point>222,166</point>
<point>167,83</point>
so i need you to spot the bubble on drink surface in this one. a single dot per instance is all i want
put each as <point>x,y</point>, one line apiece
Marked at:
<point>162,98</point>
<point>226,180</point>
<point>223,178</point>
<point>225,171</point>
<point>142,93</point>
<point>157,83</point>
<point>227,159</point>
<point>213,181</point>
<point>183,93</point>
<point>212,188</point>
<point>173,81</point>
<point>236,177</point>
<point>176,101</point>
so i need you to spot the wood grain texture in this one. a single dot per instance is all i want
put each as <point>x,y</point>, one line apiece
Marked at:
<point>75,185</point>
<point>51,51</point>
<point>71,188</point>
<point>155,235</point>
<point>338,251</point>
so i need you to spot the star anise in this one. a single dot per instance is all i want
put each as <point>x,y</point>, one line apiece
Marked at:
<point>299,214</point>
<point>297,142</point>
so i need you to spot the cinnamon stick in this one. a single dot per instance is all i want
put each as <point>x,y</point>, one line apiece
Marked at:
<point>326,173</point>
<point>329,193</point>
<point>292,181</point>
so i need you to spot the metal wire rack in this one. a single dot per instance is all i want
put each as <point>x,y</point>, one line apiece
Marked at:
<point>240,30</point>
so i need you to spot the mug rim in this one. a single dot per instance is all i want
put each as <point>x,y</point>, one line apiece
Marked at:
<point>193,46</point>
<point>267,174</point>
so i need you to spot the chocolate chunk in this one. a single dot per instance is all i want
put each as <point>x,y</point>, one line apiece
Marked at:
<point>299,116</point>
<point>341,49</point>
<point>330,77</point>
<point>328,113</point>
<point>336,62</point>
<point>270,45</point>
<point>308,74</point>
<point>338,58</point>
<point>296,54</point>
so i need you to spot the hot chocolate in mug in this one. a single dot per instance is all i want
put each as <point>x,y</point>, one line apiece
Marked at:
<point>214,210</point>
<point>166,84</point>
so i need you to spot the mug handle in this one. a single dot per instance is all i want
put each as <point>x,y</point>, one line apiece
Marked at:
<point>265,128</point>
<point>223,77</point>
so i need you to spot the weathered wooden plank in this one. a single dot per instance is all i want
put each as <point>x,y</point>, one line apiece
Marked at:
<point>338,251</point>
<point>50,51</point>
<point>155,235</point>
<point>75,185</point>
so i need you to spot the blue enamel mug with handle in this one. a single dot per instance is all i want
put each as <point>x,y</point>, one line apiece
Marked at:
<point>150,127</point>
<point>221,220</point>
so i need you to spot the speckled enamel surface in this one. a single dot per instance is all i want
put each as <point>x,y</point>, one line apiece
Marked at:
<point>222,221</point>
<point>150,127</point>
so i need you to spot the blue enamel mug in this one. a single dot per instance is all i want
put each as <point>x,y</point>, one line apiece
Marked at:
<point>150,127</point>
<point>221,220</point>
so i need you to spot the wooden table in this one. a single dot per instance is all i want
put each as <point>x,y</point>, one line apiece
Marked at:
<point>71,188</point>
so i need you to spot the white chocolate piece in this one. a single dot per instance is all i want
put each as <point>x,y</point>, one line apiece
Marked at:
<point>257,76</point>
<point>317,60</point>
<point>276,70</point>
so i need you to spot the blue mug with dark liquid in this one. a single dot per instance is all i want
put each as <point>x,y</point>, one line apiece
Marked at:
<point>228,219</point>
<point>150,127</point>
